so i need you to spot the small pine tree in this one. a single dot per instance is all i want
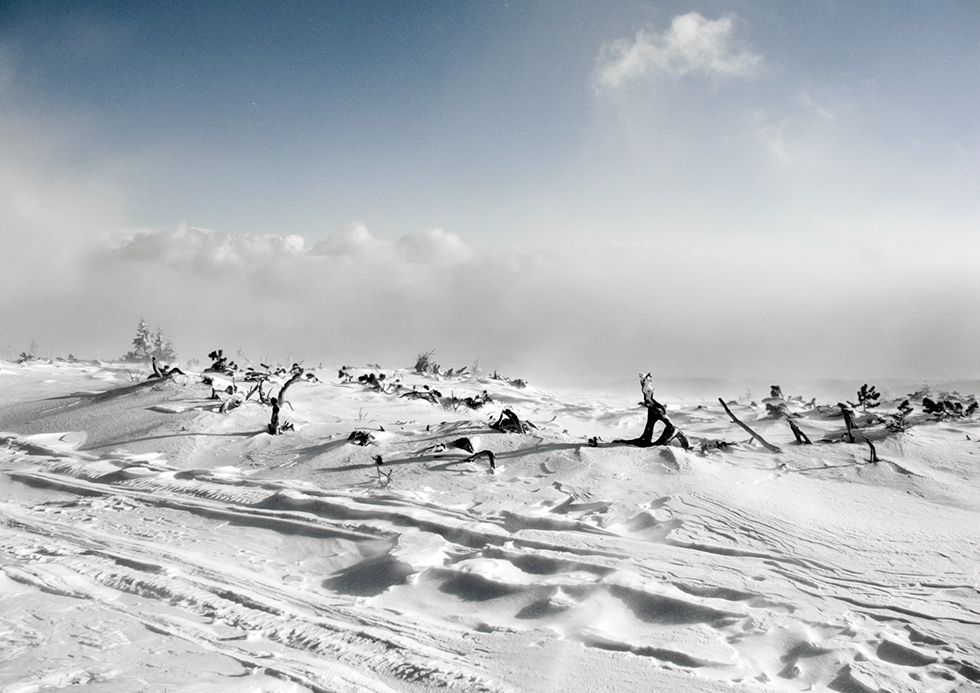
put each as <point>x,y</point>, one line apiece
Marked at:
<point>867,398</point>
<point>142,343</point>
<point>147,344</point>
<point>30,354</point>
<point>900,420</point>
<point>163,348</point>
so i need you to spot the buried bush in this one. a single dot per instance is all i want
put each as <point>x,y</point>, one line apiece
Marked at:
<point>373,381</point>
<point>899,421</point>
<point>777,410</point>
<point>948,408</point>
<point>426,393</point>
<point>454,403</point>
<point>425,365</point>
<point>220,363</point>
<point>519,383</point>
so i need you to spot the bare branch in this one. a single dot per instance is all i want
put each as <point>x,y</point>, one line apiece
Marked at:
<point>768,446</point>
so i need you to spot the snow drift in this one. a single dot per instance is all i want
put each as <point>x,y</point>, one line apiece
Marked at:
<point>153,542</point>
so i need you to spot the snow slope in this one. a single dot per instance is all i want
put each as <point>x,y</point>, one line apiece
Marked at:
<point>152,542</point>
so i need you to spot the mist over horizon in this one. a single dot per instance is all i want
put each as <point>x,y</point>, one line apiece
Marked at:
<point>581,313</point>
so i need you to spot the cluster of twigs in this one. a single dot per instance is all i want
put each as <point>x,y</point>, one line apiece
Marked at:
<point>898,421</point>
<point>381,383</point>
<point>478,402</point>
<point>262,385</point>
<point>516,382</point>
<point>426,365</point>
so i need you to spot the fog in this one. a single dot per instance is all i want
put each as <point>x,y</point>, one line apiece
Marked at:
<point>578,313</point>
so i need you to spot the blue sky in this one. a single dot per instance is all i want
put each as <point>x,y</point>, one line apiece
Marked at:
<point>757,148</point>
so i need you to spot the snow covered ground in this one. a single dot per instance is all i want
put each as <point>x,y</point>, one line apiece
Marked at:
<point>150,541</point>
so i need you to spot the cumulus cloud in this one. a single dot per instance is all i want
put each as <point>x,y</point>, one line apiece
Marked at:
<point>435,246</point>
<point>693,44</point>
<point>353,241</point>
<point>204,249</point>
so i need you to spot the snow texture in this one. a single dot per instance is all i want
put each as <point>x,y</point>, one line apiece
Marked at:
<point>152,542</point>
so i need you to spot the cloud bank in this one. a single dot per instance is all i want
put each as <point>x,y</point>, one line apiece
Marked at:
<point>693,44</point>
<point>572,314</point>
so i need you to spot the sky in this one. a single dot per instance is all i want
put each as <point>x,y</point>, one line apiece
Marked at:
<point>559,190</point>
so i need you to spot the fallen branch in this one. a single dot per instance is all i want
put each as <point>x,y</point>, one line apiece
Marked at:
<point>484,453</point>
<point>464,444</point>
<point>768,446</point>
<point>165,372</point>
<point>801,437</point>
<point>874,453</point>
<point>378,462</point>
<point>848,421</point>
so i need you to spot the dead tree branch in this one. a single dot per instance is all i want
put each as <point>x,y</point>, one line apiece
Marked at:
<point>874,453</point>
<point>484,453</point>
<point>275,428</point>
<point>768,446</point>
<point>801,437</point>
<point>165,372</point>
<point>510,423</point>
<point>384,478</point>
<point>656,412</point>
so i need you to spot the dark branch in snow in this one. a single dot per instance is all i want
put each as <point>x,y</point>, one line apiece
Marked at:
<point>768,446</point>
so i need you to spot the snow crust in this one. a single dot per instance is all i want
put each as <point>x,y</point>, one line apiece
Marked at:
<point>149,541</point>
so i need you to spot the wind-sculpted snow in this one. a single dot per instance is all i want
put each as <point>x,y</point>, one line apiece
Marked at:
<point>204,554</point>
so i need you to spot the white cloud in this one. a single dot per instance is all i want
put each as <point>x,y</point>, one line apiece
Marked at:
<point>205,249</point>
<point>436,247</point>
<point>693,44</point>
<point>353,241</point>
<point>809,103</point>
<point>772,134</point>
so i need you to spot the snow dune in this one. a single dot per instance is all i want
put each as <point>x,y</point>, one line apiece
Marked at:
<point>152,542</point>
